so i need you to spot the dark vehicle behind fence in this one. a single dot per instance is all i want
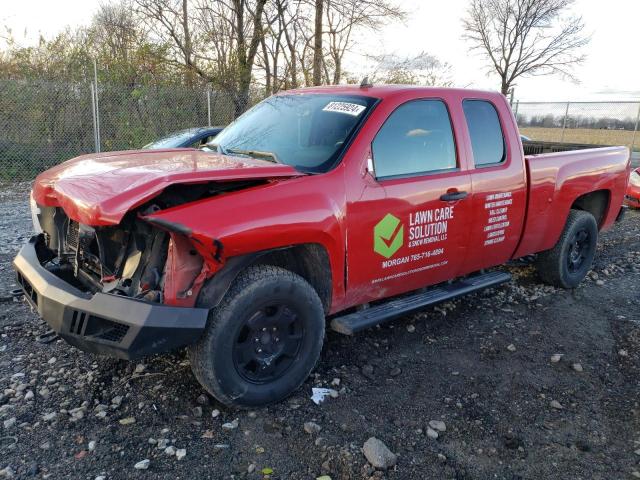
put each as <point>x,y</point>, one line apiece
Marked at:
<point>188,138</point>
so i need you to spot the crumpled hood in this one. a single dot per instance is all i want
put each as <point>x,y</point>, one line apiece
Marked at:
<point>99,189</point>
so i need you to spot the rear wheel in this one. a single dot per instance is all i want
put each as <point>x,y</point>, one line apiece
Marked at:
<point>262,341</point>
<point>569,261</point>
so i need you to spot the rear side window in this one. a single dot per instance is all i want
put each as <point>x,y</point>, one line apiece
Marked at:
<point>485,130</point>
<point>416,138</point>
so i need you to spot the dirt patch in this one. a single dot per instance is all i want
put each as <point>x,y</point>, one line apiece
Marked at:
<point>482,365</point>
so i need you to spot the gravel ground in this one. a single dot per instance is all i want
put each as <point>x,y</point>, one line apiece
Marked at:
<point>520,382</point>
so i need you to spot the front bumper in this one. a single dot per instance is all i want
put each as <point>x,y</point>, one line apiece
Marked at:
<point>102,323</point>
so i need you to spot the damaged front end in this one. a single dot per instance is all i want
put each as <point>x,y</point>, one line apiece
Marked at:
<point>105,271</point>
<point>133,259</point>
<point>127,259</point>
<point>101,318</point>
<point>119,289</point>
<point>141,258</point>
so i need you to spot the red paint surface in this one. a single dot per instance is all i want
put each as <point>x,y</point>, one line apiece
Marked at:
<point>339,209</point>
<point>556,180</point>
<point>633,191</point>
<point>185,273</point>
<point>98,189</point>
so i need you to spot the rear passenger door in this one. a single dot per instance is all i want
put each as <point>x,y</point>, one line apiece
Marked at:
<point>499,183</point>
<point>416,231</point>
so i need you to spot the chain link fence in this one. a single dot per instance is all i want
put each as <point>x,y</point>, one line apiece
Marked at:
<point>598,123</point>
<point>44,123</point>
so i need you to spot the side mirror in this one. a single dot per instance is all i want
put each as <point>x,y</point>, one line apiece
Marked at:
<point>370,167</point>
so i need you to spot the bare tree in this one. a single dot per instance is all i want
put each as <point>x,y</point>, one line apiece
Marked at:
<point>171,22</point>
<point>325,30</point>
<point>115,29</point>
<point>317,42</point>
<point>292,21</point>
<point>216,40</point>
<point>345,17</point>
<point>278,55</point>
<point>525,37</point>
<point>231,34</point>
<point>421,69</point>
<point>247,48</point>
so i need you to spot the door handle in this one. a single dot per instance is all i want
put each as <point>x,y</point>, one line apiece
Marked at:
<point>453,196</point>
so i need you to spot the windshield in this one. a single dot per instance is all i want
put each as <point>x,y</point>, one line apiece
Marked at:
<point>172,140</point>
<point>307,131</point>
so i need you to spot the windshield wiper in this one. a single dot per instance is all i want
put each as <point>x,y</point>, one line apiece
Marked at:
<point>269,156</point>
<point>218,148</point>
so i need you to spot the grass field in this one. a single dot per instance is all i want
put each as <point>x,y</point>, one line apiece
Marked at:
<point>583,135</point>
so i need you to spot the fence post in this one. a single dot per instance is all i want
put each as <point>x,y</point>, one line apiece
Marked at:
<point>208,105</point>
<point>96,109</point>
<point>96,141</point>
<point>635,131</point>
<point>564,123</point>
<point>516,112</point>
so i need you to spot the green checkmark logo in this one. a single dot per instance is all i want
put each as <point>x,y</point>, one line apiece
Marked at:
<point>388,236</point>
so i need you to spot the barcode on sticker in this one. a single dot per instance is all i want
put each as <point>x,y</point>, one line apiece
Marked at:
<point>344,107</point>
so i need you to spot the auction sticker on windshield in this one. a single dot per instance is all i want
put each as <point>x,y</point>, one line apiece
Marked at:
<point>344,107</point>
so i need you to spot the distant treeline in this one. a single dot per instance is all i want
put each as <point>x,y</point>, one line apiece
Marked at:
<point>576,121</point>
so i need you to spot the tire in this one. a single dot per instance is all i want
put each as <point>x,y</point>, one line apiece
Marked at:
<point>569,261</point>
<point>262,341</point>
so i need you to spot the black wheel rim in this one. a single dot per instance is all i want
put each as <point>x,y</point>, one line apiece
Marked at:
<point>268,343</point>
<point>578,250</point>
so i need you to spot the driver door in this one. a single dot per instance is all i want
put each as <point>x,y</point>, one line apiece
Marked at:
<point>411,226</point>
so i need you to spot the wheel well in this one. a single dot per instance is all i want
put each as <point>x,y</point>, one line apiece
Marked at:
<point>310,261</point>
<point>595,203</point>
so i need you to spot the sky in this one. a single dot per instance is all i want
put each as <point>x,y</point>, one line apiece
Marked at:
<point>611,71</point>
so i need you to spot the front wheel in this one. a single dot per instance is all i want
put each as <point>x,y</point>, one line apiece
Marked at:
<point>262,340</point>
<point>569,261</point>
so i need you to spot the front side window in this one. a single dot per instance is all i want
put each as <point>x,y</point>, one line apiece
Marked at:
<point>307,131</point>
<point>487,140</point>
<point>416,138</point>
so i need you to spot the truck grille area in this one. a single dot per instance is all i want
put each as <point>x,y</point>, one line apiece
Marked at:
<point>86,325</point>
<point>115,332</point>
<point>28,289</point>
<point>126,259</point>
<point>77,322</point>
<point>73,235</point>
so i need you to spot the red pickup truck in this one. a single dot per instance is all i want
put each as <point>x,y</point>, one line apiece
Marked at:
<point>348,206</point>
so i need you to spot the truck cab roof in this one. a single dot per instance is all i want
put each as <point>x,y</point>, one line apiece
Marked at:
<point>388,91</point>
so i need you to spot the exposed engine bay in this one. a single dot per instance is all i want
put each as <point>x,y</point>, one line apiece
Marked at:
<point>135,258</point>
<point>127,259</point>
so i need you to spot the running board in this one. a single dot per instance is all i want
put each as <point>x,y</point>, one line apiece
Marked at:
<point>370,317</point>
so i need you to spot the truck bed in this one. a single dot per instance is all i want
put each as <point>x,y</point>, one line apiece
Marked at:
<point>533,147</point>
<point>558,179</point>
